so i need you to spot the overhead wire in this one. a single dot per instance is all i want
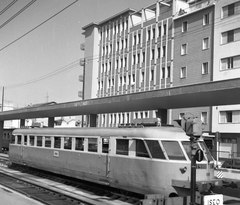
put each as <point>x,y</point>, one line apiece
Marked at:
<point>4,47</point>
<point>8,7</point>
<point>63,69</point>
<point>18,13</point>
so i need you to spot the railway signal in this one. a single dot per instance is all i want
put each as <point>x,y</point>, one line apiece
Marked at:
<point>193,128</point>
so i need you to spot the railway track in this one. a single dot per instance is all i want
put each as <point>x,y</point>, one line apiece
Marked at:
<point>53,189</point>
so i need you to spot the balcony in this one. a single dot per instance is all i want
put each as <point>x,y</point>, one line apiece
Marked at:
<point>188,8</point>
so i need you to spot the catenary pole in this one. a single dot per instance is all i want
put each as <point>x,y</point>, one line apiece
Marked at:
<point>2,97</point>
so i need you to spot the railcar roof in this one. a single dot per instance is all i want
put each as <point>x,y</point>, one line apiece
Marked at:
<point>146,132</point>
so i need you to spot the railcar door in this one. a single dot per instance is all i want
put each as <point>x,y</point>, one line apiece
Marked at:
<point>105,158</point>
<point>24,150</point>
<point>105,149</point>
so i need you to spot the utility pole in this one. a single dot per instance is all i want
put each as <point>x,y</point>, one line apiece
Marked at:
<point>2,97</point>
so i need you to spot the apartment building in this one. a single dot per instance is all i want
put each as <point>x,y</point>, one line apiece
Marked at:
<point>193,52</point>
<point>131,52</point>
<point>226,119</point>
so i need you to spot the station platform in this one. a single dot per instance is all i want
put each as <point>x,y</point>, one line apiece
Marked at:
<point>10,197</point>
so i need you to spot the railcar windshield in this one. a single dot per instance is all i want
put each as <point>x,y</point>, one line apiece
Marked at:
<point>173,150</point>
<point>206,151</point>
<point>201,145</point>
<point>155,149</point>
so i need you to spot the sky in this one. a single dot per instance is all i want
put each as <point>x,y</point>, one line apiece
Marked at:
<point>40,46</point>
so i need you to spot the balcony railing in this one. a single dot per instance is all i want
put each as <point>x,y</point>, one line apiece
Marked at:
<point>194,7</point>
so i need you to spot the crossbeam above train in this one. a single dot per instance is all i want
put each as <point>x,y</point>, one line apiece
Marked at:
<point>198,95</point>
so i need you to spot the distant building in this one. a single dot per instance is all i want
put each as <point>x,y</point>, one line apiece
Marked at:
<point>9,124</point>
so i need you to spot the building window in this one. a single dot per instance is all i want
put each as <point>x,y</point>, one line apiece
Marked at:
<point>159,52</point>
<point>133,78</point>
<point>159,31</point>
<point>134,59</point>
<point>153,32</point>
<point>124,80</point>
<point>205,44</point>
<point>163,51</point>
<point>138,58</point>
<point>231,9</point>
<point>139,38</point>
<point>168,71</point>
<point>126,42</point>
<point>184,26</point>
<point>230,63</point>
<point>149,35</point>
<point>230,36</point>
<point>230,116</point>
<point>110,66</point>
<point>164,29</point>
<point>143,76</point>
<point>205,69</point>
<point>183,72</point>
<point>143,56</point>
<point>129,80</point>
<point>206,19</point>
<point>136,115</point>
<point>125,62</point>
<point>204,117</point>
<point>153,54</point>
<point>152,75</point>
<point>184,49</point>
<point>225,116</point>
<point>117,46</point>
<point>120,81</point>
<point>163,73</point>
<point>117,64</point>
<point>134,40</point>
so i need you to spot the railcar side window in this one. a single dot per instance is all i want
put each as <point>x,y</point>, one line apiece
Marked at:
<point>19,139</point>
<point>155,149</point>
<point>57,142</point>
<point>25,139</point>
<point>79,145</point>
<point>105,145</point>
<point>173,150</point>
<point>12,139</point>
<point>39,141</point>
<point>31,140</point>
<point>141,150</point>
<point>67,143</point>
<point>92,144</point>
<point>47,141</point>
<point>122,146</point>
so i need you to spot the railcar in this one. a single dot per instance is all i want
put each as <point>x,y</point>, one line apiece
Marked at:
<point>7,137</point>
<point>142,160</point>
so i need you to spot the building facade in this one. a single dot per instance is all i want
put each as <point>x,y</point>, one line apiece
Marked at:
<point>226,119</point>
<point>168,44</point>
